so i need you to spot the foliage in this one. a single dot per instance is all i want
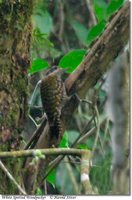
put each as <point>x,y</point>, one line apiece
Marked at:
<point>43,28</point>
<point>39,191</point>
<point>80,30</point>
<point>38,65</point>
<point>43,21</point>
<point>64,142</point>
<point>51,178</point>
<point>95,31</point>
<point>43,38</point>
<point>101,176</point>
<point>71,60</point>
<point>100,9</point>
<point>60,36</point>
<point>113,6</point>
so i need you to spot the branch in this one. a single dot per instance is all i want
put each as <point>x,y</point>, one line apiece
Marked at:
<point>105,49</point>
<point>62,18</point>
<point>85,168</point>
<point>93,20</point>
<point>31,143</point>
<point>40,152</point>
<point>80,139</point>
<point>97,132</point>
<point>72,177</point>
<point>118,111</point>
<point>2,166</point>
<point>94,65</point>
<point>86,155</point>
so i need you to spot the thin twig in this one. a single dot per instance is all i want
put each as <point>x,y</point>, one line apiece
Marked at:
<point>113,38</point>
<point>85,129</point>
<point>73,160</point>
<point>91,13</point>
<point>72,177</point>
<point>84,137</point>
<point>62,18</point>
<point>98,129</point>
<point>106,130</point>
<point>57,160</point>
<point>45,187</point>
<point>80,139</point>
<point>40,152</point>
<point>33,140</point>
<point>33,121</point>
<point>2,166</point>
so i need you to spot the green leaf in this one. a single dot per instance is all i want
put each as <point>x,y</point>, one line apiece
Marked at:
<point>113,6</point>
<point>80,30</point>
<point>51,177</point>
<point>37,65</point>
<point>71,60</point>
<point>64,142</point>
<point>82,146</point>
<point>100,9</point>
<point>95,31</point>
<point>43,21</point>
<point>44,45</point>
<point>41,38</point>
<point>39,191</point>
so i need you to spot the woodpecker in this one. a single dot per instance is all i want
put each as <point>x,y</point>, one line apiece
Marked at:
<point>53,95</point>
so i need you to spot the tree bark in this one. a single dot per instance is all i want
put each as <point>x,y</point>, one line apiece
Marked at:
<point>15,35</point>
<point>118,111</point>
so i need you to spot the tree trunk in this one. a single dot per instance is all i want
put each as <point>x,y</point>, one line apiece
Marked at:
<point>15,35</point>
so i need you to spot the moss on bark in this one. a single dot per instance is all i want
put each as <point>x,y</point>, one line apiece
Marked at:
<point>15,37</point>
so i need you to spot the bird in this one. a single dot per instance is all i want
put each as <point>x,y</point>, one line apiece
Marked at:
<point>53,95</point>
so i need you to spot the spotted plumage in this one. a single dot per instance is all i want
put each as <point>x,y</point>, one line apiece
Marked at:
<point>52,95</point>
